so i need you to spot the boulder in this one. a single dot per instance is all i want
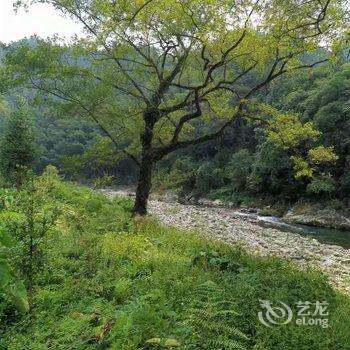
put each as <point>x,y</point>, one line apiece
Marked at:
<point>317,215</point>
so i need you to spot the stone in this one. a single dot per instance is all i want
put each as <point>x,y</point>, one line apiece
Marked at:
<point>314,214</point>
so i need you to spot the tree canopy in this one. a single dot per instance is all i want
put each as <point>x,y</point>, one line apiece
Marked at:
<point>148,71</point>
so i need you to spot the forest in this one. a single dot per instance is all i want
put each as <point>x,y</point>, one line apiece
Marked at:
<point>243,165</point>
<point>136,163</point>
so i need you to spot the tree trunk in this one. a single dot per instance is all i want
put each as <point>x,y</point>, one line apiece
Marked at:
<point>146,165</point>
<point>143,186</point>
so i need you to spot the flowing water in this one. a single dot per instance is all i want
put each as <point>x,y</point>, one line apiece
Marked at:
<point>322,234</point>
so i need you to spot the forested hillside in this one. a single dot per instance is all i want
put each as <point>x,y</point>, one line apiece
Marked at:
<point>245,163</point>
<point>242,164</point>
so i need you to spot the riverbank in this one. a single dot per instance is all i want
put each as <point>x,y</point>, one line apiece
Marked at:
<point>318,215</point>
<point>303,212</point>
<point>225,225</point>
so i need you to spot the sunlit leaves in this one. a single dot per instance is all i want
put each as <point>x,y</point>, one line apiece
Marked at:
<point>322,154</point>
<point>321,184</point>
<point>301,167</point>
<point>287,131</point>
<point>220,105</point>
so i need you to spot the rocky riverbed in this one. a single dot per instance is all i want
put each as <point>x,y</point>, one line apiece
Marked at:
<point>227,225</point>
<point>317,215</point>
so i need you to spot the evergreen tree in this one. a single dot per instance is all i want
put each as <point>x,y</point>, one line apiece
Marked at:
<point>17,148</point>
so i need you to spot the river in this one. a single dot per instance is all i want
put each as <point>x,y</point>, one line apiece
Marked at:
<point>322,234</point>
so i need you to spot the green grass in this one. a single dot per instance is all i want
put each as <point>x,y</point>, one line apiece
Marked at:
<point>112,283</point>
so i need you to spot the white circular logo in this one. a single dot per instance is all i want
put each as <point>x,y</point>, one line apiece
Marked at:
<point>274,315</point>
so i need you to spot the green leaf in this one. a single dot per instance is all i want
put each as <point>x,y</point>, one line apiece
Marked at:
<point>5,274</point>
<point>5,239</point>
<point>164,342</point>
<point>19,297</point>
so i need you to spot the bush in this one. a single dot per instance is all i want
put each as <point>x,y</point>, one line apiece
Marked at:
<point>28,215</point>
<point>272,174</point>
<point>182,175</point>
<point>336,204</point>
<point>208,177</point>
<point>322,185</point>
<point>239,168</point>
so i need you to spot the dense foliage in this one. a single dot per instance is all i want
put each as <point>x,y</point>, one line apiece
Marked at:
<point>248,163</point>
<point>244,163</point>
<point>107,282</point>
<point>149,73</point>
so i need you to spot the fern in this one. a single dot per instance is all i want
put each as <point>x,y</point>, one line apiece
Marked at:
<point>212,320</point>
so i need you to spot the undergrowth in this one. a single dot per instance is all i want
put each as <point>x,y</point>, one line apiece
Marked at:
<point>109,282</point>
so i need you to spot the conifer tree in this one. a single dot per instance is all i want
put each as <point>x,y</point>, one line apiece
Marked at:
<point>17,148</point>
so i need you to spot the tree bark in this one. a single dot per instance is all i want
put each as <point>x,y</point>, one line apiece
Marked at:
<point>143,186</point>
<point>146,165</point>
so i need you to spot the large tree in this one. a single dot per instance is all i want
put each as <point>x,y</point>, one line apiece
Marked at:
<point>148,72</point>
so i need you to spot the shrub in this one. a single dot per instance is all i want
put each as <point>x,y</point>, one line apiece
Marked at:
<point>208,177</point>
<point>28,215</point>
<point>239,168</point>
<point>322,185</point>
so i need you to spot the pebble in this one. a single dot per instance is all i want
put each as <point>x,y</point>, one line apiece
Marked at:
<point>222,224</point>
<point>225,225</point>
